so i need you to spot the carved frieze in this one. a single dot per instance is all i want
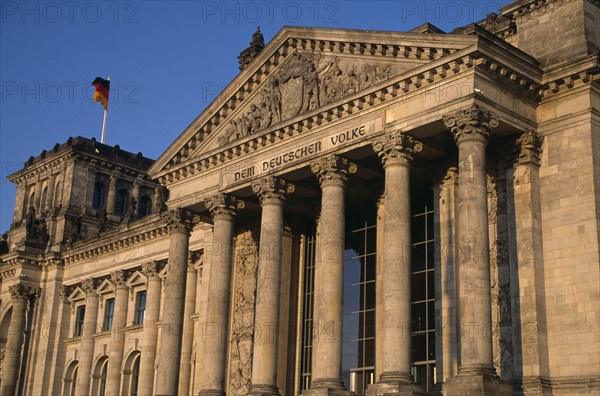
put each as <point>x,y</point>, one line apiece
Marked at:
<point>304,82</point>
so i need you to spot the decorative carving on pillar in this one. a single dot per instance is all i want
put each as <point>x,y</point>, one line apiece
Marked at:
<point>245,267</point>
<point>272,190</point>
<point>224,206</point>
<point>333,169</point>
<point>118,278</point>
<point>63,293</point>
<point>180,220</point>
<point>530,148</point>
<point>500,271</point>
<point>472,123</point>
<point>151,270</point>
<point>397,148</point>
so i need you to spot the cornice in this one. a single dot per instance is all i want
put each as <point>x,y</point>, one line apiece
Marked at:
<point>95,248</point>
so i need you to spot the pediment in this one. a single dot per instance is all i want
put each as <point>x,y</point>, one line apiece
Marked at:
<point>76,295</point>
<point>299,71</point>
<point>105,286</point>
<point>136,278</point>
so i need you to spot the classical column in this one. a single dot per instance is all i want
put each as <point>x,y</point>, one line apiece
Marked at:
<point>333,172</point>
<point>112,191</point>
<point>215,331</point>
<point>180,223</point>
<point>117,338</point>
<point>476,373</point>
<point>20,296</point>
<point>188,330</point>
<point>396,151</point>
<point>272,193</point>
<point>149,335</point>
<point>527,272</point>
<point>86,349</point>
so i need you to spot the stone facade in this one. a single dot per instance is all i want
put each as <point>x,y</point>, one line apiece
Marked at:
<point>454,249</point>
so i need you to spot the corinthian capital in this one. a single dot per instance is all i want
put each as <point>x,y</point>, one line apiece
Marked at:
<point>21,293</point>
<point>472,123</point>
<point>88,286</point>
<point>180,220</point>
<point>223,206</point>
<point>332,169</point>
<point>150,270</point>
<point>397,148</point>
<point>530,148</point>
<point>272,190</point>
<point>118,278</point>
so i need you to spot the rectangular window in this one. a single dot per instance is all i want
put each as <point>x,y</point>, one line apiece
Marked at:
<point>79,316</point>
<point>109,313</point>
<point>140,308</point>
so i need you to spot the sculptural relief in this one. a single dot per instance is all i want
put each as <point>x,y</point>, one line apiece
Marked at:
<point>242,329</point>
<point>304,82</point>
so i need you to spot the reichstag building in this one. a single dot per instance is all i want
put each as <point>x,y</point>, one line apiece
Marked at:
<point>358,213</point>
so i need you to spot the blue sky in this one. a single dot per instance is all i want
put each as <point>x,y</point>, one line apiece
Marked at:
<point>167,61</point>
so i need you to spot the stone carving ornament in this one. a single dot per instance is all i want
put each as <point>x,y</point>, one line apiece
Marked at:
<point>223,206</point>
<point>472,123</point>
<point>304,82</point>
<point>333,169</point>
<point>272,190</point>
<point>246,266</point>
<point>397,148</point>
<point>180,220</point>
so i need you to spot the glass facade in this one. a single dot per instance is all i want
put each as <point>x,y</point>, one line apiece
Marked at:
<point>359,333</point>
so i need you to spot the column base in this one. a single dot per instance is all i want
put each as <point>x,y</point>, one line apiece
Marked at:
<point>263,390</point>
<point>211,392</point>
<point>477,384</point>
<point>327,392</point>
<point>395,389</point>
<point>328,387</point>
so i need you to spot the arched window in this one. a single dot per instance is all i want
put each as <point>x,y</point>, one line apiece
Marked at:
<point>44,198</point>
<point>145,206</point>
<point>98,198</point>
<point>57,195</point>
<point>70,379</point>
<point>135,377</point>
<point>103,372</point>
<point>99,377</point>
<point>131,374</point>
<point>121,202</point>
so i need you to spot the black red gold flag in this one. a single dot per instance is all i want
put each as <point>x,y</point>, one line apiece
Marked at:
<point>102,91</point>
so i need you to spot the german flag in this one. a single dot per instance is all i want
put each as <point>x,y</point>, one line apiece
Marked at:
<point>102,90</point>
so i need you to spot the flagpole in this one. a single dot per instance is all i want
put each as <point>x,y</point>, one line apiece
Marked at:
<point>104,121</point>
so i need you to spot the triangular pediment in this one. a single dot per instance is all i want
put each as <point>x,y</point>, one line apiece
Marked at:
<point>136,278</point>
<point>76,295</point>
<point>105,286</point>
<point>299,71</point>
